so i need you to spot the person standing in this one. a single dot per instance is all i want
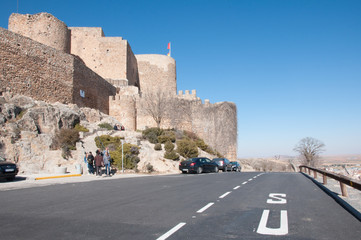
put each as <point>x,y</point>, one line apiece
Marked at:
<point>98,163</point>
<point>106,159</point>
<point>85,157</point>
<point>90,160</point>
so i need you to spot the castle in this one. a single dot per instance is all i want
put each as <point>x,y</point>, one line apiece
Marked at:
<point>44,59</point>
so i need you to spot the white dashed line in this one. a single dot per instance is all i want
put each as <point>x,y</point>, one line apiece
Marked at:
<point>236,187</point>
<point>249,179</point>
<point>170,232</point>
<point>224,194</point>
<point>255,177</point>
<point>244,182</point>
<point>205,207</point>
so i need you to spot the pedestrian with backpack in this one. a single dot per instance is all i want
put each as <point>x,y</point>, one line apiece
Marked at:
<point>90,160</point>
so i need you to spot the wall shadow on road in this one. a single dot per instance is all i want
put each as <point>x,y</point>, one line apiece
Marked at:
<point>335,196</point>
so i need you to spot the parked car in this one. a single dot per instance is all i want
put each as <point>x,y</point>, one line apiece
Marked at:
<point>223,164</point>
<point>236,166</point>
<point>198,165</point>
<point>8,170</point>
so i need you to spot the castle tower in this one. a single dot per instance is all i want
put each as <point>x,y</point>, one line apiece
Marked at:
<point>42,27</point>
<point>157,72</point>
<point>110,57</point>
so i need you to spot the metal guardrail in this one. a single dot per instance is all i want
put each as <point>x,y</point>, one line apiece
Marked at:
<point>338,177</point>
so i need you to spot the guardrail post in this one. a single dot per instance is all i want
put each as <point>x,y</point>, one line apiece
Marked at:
<point>343,189</point>
<point>324,179</point>
<point>314,174</point>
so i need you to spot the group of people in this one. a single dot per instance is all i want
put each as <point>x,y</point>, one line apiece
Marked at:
<point>95,164</point>
<point>119,127</point>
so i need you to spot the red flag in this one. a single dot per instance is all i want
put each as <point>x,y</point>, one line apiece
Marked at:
<point>168,45</point>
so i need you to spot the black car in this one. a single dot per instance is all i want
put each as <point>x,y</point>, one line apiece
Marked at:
<point>223,164</point>
<point>198,165</point>
<point>236,166</point>
<point>8,170</point>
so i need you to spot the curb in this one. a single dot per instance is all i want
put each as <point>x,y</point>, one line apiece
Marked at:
<point>60,176</point>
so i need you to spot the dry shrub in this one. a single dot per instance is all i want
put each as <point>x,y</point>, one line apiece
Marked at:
<point>65,139</point>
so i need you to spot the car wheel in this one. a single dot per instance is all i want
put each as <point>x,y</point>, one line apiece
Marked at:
<point>10,178</point>
<point>184,172</point>
<point>216,169</point>
<point>199,170</point>
<point>224,170</point>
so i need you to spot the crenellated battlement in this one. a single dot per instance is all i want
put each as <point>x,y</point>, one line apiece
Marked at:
<point>187,94</point>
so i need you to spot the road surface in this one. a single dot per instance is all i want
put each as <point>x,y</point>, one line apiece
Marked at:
<point>250,205</point>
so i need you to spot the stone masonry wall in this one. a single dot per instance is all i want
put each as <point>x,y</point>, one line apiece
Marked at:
<point>215,123</point>
<point>32,69</point>
<point>157,72</point>
<point>123,107</point>
<point>110,57</point>
<point>132,68</point>
<point>35,70</point>
<point>96,90</point>
<point>42,27</point>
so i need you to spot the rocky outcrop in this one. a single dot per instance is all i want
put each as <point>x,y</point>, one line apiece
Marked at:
<point>28,127</point>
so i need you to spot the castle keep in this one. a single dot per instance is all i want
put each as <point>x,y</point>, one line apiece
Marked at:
<point>43,58</point>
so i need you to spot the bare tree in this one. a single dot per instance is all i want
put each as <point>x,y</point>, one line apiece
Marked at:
<point>309,150</point>
<point>154,103</point>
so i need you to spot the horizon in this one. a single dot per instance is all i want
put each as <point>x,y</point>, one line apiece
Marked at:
<point>293,68</point>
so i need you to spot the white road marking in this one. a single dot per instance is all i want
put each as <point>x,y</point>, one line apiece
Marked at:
<point>255,177</point>
<point>205,207</point>
<point>236,187</point>
<point>278,198</point>
<point>224,194</point>
<point>170,232</point>
<point>244,182</point>
<point>282,230</point>
<point>249,179</point>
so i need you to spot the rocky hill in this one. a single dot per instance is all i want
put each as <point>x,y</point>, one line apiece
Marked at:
<point>28,128</point>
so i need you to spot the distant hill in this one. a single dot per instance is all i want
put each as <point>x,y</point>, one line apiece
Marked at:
<point>342,159</point>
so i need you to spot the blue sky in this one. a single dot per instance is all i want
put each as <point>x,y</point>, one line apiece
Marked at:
<point>293,67</point>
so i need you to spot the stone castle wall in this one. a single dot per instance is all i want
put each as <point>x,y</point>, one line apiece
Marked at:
<point>95,90</point>
<point>50,74</point>
<point>33,69</point>
<point>110,57</point>
<point>123,107</point>
<point>215,123</point>
<point>42,27</point>
<point>44,73</point>
<point>132,68</point>
<point>157,72</point>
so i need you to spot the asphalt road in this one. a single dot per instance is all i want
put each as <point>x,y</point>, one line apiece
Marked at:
<point>206,206</point>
